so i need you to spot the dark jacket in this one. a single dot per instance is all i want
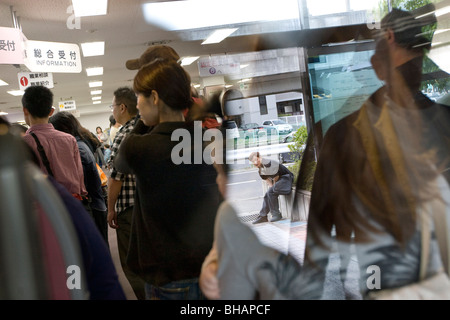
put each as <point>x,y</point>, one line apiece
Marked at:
<point>175,204</point>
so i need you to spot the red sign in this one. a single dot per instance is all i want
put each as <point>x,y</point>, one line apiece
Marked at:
<point>24,81</point>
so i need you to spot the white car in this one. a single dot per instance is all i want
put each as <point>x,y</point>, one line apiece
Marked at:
<point>281,126</point>
<point>232,131</point>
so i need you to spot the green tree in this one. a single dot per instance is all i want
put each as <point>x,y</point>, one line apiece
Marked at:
<point>298,145</point>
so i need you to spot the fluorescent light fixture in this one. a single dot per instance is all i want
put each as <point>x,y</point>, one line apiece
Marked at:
<point>91,49</point>
<point>3,83</point>
<point>3,113</point>
<point>86,8</point>
<point>97,102</point>
<point>97,71</point>
<point>245,80</point>
<point>197,85</point>
<point>171,15</point>
<point>218,35</point>
<point>96,92</point>
<point>228,86</point>
<point>242,66</point>
<point>16,92</point>
<point>188,60</point>
<point>94,84</point>
<point>96,98</point>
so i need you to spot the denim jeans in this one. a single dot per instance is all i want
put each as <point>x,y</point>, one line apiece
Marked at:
<point>177,290</point>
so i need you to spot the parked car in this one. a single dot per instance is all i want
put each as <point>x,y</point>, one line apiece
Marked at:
<point>253,126</point>
<point>281,126</point>
<point>289,156</point>
<point>232,131</point>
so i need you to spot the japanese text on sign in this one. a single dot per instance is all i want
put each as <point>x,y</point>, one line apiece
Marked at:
<point>53,57</point>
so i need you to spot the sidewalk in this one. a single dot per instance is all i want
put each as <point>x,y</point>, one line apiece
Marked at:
<point>283,235</point>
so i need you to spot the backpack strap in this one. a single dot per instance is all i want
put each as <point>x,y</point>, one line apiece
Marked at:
<point>42,153</point>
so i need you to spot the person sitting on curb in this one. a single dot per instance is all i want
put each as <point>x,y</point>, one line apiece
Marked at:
<point>278,178</point>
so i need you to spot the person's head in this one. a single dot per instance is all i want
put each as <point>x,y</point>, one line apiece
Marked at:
<point>112,121</point>
<point>407,31</point>
<point>4,121</point>
<point>37,102</point>
<point>18,129</point>
<point>152,53</point>
<point>124,105</point>
<point>162,87</point>
<point>255,158</point>
<point>401,45</point>
<point>66,122</point>
<point>106,146</point>
<point>99,130</point>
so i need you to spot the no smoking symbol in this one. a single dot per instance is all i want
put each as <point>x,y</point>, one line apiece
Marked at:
<point>24,81</point>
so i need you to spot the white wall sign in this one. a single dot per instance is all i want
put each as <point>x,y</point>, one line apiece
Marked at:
<point>44,56</point>
<point>216,66</point>
<point>67,105</point>
<point>12,49</point>
<point>30,79</point>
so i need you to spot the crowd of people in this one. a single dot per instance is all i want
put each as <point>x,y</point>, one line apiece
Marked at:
<point>379,171</point>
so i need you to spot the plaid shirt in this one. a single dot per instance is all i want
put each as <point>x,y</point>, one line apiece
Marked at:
<point>126,195</point>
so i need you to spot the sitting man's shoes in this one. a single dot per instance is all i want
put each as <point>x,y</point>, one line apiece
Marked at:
<point>276,217</point>
<point>261,219</point>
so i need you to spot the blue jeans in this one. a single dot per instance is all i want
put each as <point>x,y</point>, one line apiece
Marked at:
<point>177,290</point>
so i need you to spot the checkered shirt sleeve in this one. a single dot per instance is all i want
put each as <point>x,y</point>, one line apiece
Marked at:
<point>127,192</point>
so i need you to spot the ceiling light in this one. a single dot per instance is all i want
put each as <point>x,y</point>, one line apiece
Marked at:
<point>171,15</point>
<point>188,60</point>
<point>3,83</point>
<point>96,92</point>
<point>242,66</point>
<point>245,80</point>
<point>218,35</point>
<point>94,84</point>
<point>97,102</point>
<point>96,98</point>
<point>3,113</point>
<point>16,92</point>
<point>98,71</point>
<point>91,49</point>
<point>85,8</point>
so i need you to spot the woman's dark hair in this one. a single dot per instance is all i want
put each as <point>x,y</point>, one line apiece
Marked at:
<point>169,79</point>
<point>66,122</point>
